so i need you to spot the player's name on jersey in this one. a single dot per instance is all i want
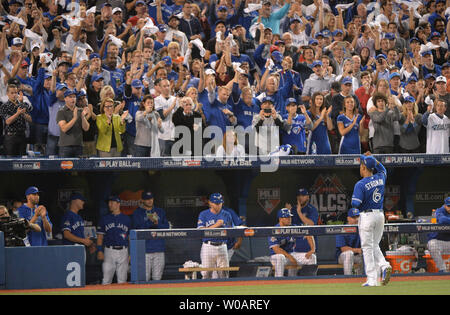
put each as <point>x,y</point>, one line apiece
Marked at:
<point>286,231</point>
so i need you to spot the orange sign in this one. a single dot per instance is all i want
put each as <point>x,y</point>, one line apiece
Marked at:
<point>66,165</point>
<point>130,201</point>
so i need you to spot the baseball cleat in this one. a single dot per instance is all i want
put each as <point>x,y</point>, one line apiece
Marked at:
<point>367,284</point>
<point>386,275</point>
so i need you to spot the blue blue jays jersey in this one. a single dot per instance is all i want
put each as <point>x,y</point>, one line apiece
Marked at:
<point>369,191</point>
<point>318,142</point>
<point>35,238</point>
<point>297,134</point>
<point>141,220</point>
<point>132,105</point>
<point>236,222</point>
<point>350,143</point>
<point>115,229</point>
<point>350,240</point>
<point>284,242</point>
<point>73,223</point>
<point>206,218</point>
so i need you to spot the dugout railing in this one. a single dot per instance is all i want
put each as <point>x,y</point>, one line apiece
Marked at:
<point>185,244</point>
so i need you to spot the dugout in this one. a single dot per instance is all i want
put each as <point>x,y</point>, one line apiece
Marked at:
<point>182,187</point>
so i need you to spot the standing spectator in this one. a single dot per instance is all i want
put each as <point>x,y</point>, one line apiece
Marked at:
<point>410,125</point>
<point>71,121</point>
<point>110,127</point>
<point>349,125</point>
<point>317,82</point>
<point>133,96</point>
<point>147,216</point>
<point>230,147</point>
<point>37,215</point>
<point>318,141</point>
<point>441,92</point>
<point>148,124</point>
<point>165,105</point>
<point>112,243</point>
<point>297,126</point>
<point>15,114</point>
<point>438,128</point>
<point>214,251</point>
<point>186,116</point>
<point>348,247</point>
<point>53,129</point>
<point>272,19</point>
<point>364,93</point>
<point>72,224</point>
<point>189,24</point>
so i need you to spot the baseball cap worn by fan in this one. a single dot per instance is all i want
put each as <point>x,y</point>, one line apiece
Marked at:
<point>347,80</point>
<point>136,83</point>
<point>69,92</point>
<point>32,190</point>
<point>441,78</point>
<point>216,198</point>
<point>284,213</point>
<point>353,212</point>
<point>291,100</point>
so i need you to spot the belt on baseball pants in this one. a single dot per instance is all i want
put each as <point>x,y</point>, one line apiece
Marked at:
<point>116,247</point>
<point>214,243</point>
<point>372,210</point>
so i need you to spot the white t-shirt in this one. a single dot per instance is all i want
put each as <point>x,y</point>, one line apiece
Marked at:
<point>238,151</point>
<point>169,128</point>
<point>438,131</point>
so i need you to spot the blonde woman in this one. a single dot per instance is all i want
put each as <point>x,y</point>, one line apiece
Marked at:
<point>410,125</point>
<point>108,92</point>
<point>110,127</point>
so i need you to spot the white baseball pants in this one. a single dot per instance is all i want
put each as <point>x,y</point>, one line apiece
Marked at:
<point>438,248</point>
<point>279,261</point>
<point>154,265</point>
<point>116,261</point>
<point>212,257</point>
<point>371,227</point>
<point>348,259</point>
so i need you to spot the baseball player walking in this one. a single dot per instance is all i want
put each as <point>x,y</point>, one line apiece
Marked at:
<point>147,216</point>
<point>112,243</point>
<point>214,250</point>
<point>368,197</point>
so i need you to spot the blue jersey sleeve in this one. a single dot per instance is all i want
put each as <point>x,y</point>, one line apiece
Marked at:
<point>201,220</point>
<point>442,216</point>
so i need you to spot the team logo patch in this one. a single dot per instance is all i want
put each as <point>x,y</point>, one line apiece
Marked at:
<point>268,198</point>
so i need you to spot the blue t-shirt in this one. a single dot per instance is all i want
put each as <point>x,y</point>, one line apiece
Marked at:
<point>244,113</point>
<point>350,143</point>
<point>115,229</point>
<point>206,218</point>
<point>369,191</point>
<point>73,223</point>
<point>141,220</point>
<point>297,134</point>
<point>318,142</point>
<point>286,243</point>
<point>35,238</point>
<point>350,240</point>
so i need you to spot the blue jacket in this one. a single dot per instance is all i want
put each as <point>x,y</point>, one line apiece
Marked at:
<point>35,238</point>
<point>140,220</point>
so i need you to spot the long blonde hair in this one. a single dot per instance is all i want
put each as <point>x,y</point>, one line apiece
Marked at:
<point>405,110</point>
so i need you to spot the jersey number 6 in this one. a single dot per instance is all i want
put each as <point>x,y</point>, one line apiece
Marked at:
<point>376,197</point>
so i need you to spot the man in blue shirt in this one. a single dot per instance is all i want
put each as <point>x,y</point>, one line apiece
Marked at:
<point>440,243</point>
<point>368,197</point>
<point>133,95</point>
<point>305,213</point>
<point>348,246</point>
<point>214,250</point>
<point>36,214</point>
<point>147,216</point>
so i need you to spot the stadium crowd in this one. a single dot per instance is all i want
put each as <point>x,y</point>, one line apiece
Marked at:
<point>120,78</point>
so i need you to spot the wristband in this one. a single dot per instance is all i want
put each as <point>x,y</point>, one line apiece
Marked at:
<point>99,248</point>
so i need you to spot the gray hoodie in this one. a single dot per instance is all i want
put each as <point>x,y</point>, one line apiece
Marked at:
<point>316,84</point>
<point>383,123</point>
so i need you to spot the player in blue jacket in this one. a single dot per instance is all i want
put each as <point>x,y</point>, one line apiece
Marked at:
<point>112,243</point>
<point>368,197</point>
<point>147,216</point>
<point>214,251</point>
<point>348,246</point>
<point>440,243</point>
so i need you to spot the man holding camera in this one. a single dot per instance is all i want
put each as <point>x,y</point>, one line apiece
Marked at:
<point>15,114</point>
<point>37,216</point>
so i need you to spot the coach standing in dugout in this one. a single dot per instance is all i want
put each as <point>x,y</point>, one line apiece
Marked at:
<point>439,244</point>
<point>38,216</point>
<point>112,242</point>
<point>147,216</point>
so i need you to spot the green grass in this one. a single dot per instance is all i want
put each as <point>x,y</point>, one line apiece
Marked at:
<point>435,287</point>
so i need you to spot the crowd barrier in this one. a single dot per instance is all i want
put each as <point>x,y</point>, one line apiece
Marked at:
<point>249,162</point>
<point>184,244</point>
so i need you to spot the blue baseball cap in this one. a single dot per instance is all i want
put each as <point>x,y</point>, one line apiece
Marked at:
<point>318,34</point>
<point>60,86</point>
<point>277,56</point>
<point>312,42</point>
<point>294,20</point>
<point>167,60</point>
<point>317,63</point>
<point>32,190</point>
<point>97,77</point>
<point>347,80</point>
<point>411,79</point>
<point>146,195</point>
<point>434,34</point>
<point>430,76</point>
<point>162,28</point>
<point>108,4</point>
<point>369,161</point>
<point>414,39</point>
<point>291,100</point>
<point>140,2</point>
<point>114,198</point>
<point>338,31</point>
<point>353,212</point>
<point>445,65</point>
<point>69,92</point>
<point>389,36</point>
<point>267,99</point>
<point>47,75</point>
<point>409,98</point>
<point>222,8</point>
<point>77,196</point>
<point>302,192</point>
<point>428,52</point>
<point>284,213</point>
<point>393,75</point>
<point>216,198</point>
<point>381,56</point>
<point>326,33</point>
<point>94,55</point>
<point>447,201</point>
<point>136,83</point>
